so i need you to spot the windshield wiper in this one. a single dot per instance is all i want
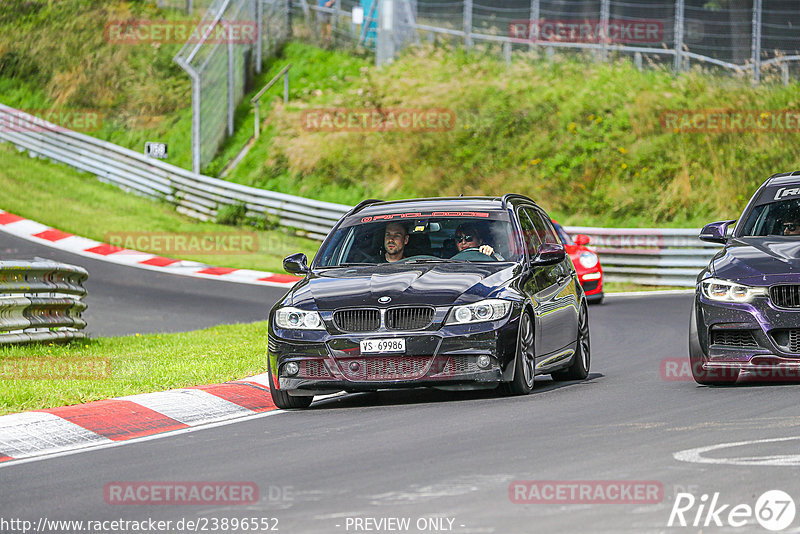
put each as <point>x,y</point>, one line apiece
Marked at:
<point>431,260</point>
<point>353,265</point>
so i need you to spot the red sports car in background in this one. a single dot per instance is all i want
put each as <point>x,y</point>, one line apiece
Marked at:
<point>586,262</point>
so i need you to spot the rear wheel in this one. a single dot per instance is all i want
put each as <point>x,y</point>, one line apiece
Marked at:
<point>715,377</point>
<point>284,401</point>
<point>579,368</point>
<point>524,359</point>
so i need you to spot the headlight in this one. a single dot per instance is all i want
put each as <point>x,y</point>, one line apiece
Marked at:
<point>298,319</point>
<point>726,291</point>
<point>484,310</point>
<point>588,259</point>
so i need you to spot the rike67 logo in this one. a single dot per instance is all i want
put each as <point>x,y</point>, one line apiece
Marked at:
<point>774,510</point>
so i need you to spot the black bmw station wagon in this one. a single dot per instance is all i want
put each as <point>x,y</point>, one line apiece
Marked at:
<point>453,293</point>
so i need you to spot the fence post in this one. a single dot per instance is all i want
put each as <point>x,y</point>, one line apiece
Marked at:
<point>756,44</point>
<point>260,34</point>
<point>467,24</point>
<point>678,31</point>
<point>605,9</point>
<point>195,121</point>
<point>289,19</point>
<point>231,75</point>
<point>533,24</point>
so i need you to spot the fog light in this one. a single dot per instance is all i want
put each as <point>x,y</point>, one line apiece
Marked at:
<point>484,362</point>
<point>354,367</point>
<point>291,368</point>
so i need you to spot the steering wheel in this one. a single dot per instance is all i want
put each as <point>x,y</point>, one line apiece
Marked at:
<point>472,254</point>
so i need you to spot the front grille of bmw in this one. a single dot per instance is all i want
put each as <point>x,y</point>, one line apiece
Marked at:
<point>787,296</point>
<point>733,338</point>
<point>385,368</point>
<point>369,319</point>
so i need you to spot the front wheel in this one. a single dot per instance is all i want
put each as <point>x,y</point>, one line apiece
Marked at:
<point>284,401</point>
<point>524,359</point>
<point>579,368</point>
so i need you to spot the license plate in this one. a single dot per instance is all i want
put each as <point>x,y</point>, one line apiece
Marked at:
<point>392,344</point>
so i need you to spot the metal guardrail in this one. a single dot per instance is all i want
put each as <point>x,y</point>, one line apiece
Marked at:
<point>41,301</point>
<point>194,194</point>
<point>650,256</point>
<point>640,255</point>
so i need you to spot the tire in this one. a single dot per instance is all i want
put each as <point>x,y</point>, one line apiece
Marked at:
<point>582,360</point>
<point>523,359</point>
<point>284,401</point>
<point>702,376</point>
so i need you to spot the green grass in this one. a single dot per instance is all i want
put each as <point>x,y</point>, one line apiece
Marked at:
<point>582,138</point>
<point>74,202</point>
<point>111,367</point>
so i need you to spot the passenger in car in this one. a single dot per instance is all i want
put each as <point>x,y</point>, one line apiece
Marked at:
<point>468,236</point>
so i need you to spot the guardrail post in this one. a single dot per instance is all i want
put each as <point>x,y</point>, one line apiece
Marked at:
<point>605,15</point>
<point>286,87</point>
<point>785,72</point>
<point>507,52</point>
<point>756,43</point>
<point>678,32</point>
<point>467,24</point>
<point>637,60</point>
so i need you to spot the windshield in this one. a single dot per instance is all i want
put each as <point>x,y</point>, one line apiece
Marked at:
<point>781,218</point>
<point>363,240</point>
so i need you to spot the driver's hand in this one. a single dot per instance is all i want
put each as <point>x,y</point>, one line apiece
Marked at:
<point>486,249</point>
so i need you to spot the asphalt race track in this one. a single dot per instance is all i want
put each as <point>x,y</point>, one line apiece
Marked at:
<point>429,454</point>
<point>126,300</point>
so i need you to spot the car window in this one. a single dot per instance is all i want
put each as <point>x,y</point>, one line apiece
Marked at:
<point>780,218</point>
<point>530,234</point>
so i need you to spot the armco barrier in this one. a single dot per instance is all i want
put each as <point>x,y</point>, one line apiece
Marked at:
<point>640,255</point>
<point>650,256</point>
<point>194,194</point>
<point>41,301</point>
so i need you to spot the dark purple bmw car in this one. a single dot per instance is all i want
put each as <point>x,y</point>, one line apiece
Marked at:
<point>746,315</point>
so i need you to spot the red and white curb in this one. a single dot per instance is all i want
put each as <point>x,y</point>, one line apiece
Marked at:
<point>44,235</point>
<point>46,432</point>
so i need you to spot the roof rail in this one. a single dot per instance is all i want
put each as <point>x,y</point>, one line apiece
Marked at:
<point>509,196</point>
<point>363,204</point>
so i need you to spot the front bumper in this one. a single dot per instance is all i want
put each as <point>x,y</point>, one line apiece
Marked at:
<point>444,358</point>
<point>749,337</point>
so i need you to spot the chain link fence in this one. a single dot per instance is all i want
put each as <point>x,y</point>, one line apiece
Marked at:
<point>749,36</point>
<point>234,38</point>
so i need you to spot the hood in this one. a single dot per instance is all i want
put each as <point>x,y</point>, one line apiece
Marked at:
<point>759,260</point>
<point>437,284</point>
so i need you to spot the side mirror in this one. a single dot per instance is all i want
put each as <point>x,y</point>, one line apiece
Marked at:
<point>582,240</point>
<point>716,232</point>
<point>549,254</point>
<point>296,263</point>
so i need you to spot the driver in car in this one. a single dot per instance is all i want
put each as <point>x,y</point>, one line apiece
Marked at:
<point>467,236</point>
<point>791,226</point>
<point>395,239</point>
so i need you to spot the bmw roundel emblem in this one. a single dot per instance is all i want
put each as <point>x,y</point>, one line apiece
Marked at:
<point>385,300</point>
